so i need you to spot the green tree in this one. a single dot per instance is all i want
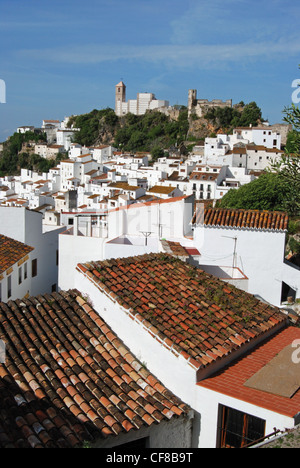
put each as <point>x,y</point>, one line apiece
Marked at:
<point>288,167</point>
<point>156,153</point>
<point>251,114</point>
<point>137,141</point>
<point>267,192</point>
<point>230,117</point>
<point>293,142</point>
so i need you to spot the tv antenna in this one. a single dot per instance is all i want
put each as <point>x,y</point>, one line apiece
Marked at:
<point>234,250</point>
<point>146,234</point>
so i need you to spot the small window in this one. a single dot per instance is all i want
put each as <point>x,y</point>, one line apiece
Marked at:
<point>25,271</point>
<point>8,287</point>
<point>34,268</point>
<point>20,275</point>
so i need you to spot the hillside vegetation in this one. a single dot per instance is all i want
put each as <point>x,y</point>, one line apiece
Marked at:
<point>13,158</point>
<point>155,131</point>
<point>147,132</point>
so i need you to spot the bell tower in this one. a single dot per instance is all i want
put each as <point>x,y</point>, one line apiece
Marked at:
<point>120,97</point>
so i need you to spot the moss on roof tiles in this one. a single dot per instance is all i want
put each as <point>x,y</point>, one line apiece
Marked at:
<point>200,314</point>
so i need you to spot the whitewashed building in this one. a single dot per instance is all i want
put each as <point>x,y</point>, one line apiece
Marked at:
<point>26,226</point>
<point>138,106</point>
<point>254,243</point>
<point>17,268</point>
<point>186,326</point>
<point>261,136</point>
<point>128,230</point>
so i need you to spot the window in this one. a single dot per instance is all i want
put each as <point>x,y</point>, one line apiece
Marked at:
<point>237,429</point>
<point>34,268</point>
<point>20,275</point>
<point>288,294</point>
<point>25,271</point>
<point>8,287</point>
<point>0,292</point>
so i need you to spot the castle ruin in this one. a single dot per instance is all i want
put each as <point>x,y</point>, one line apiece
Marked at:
<point>200,107</point>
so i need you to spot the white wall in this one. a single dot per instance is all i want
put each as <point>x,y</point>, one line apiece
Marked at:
<point>73,250</point>
<point>130,246</point>
<point>261,136</point>
<point>259,255</point>
<point>18,291</point>
<point>26,226</point>
<point>168,219</point>
<point>208,401</point>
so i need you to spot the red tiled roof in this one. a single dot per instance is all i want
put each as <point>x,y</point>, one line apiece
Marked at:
<point>245,219</point>
<point>161,189</point>
<point>203,176</point>
<point>188,310</point>
<point>155,201</point>
<point>175,248</point>
<point>67,378</point>
<point>231,380</point>
<point>11,251</point>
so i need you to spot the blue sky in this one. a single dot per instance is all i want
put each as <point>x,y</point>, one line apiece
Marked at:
<point>61,58</point>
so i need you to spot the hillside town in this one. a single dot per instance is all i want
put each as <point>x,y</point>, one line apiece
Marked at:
<point>135,311</point>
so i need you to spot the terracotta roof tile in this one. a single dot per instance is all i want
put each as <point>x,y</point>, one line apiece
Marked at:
<point>191,312</point>
<point>231,380</point>
<point>67,378</point>
<point>11,251</point>
<point>245,219</point>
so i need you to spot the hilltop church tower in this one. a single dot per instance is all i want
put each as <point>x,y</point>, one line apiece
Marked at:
<point>120,98</point>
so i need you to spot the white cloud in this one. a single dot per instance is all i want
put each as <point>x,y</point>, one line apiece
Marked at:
<point>170,55</point>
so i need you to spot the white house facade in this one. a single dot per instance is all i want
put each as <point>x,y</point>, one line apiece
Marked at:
<point>26,226</point>
<point>253,242</point>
